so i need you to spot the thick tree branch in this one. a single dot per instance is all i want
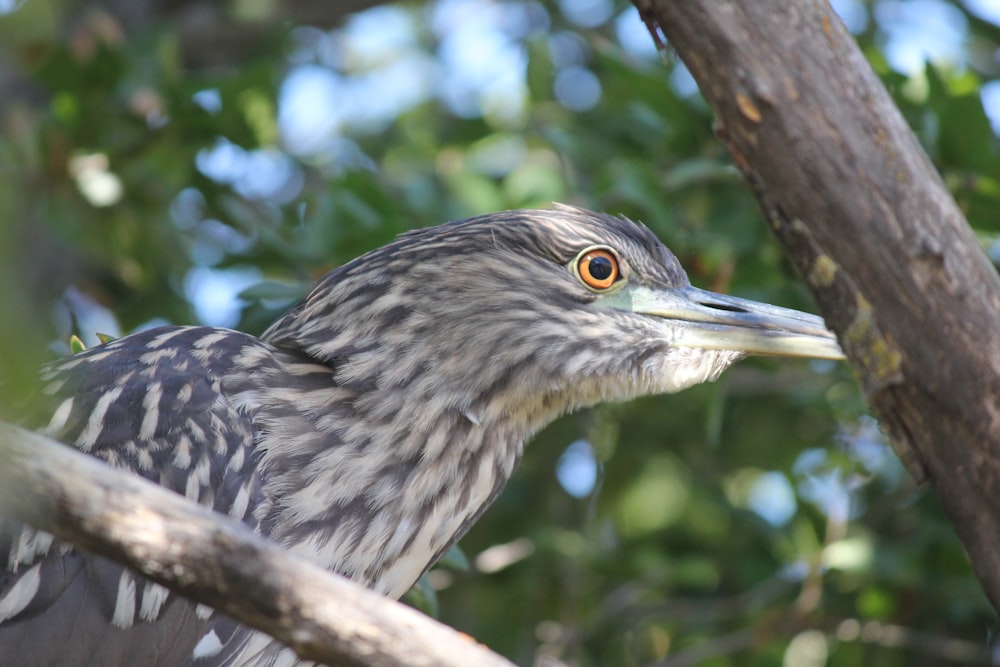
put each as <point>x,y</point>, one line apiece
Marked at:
<point>215,560</point>
<point>868,222</point>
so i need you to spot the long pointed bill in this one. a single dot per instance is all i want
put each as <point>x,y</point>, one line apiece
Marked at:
<point>719,322</point>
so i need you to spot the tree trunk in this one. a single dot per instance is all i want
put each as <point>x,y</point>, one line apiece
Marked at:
<point>849,192</point>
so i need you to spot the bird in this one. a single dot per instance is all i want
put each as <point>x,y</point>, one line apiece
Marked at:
<point>373,423</point>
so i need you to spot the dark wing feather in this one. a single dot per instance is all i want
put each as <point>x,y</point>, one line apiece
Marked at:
<point>154,403</point>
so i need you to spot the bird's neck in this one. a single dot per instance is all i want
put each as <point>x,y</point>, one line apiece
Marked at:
<point>376,481</point>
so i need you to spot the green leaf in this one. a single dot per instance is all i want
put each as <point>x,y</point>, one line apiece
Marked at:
<point>422,597</point>
<point>269,290</point>
<point>76,345</point>
<point>454,559</point>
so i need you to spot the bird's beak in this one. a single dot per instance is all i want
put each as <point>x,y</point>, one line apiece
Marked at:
<point>713,321</point>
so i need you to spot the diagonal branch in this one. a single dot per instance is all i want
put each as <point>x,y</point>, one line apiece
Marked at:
<point>215,560</point>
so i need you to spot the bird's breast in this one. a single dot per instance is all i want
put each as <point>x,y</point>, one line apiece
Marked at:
<point>439,526</point>
<point>381,502</point>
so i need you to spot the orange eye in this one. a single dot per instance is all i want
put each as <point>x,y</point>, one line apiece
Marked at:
<point>598,268</point>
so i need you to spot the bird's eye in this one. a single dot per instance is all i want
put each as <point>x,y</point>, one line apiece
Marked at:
<point>597,268</point>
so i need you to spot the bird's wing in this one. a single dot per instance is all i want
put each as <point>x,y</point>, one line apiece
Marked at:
<point>153,403</point>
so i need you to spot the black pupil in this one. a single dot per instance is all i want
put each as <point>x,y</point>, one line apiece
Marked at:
<point>600,268</point>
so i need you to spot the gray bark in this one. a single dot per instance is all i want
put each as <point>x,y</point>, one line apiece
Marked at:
<point>854,199</point>
<point>213,559</point>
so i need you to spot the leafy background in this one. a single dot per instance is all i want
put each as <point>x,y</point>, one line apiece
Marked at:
<point>188,161</point>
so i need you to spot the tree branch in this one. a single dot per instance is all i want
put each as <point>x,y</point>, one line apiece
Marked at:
<point>851,195</point>
<point>210,558</point>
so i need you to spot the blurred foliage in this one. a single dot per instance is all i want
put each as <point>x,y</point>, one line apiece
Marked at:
<point>757,520</point>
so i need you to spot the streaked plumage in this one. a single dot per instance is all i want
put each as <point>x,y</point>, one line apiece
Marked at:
<point>370,426</point>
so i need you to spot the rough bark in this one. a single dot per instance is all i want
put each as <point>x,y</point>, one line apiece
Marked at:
<point>849,192</point>
<point>212,559</point>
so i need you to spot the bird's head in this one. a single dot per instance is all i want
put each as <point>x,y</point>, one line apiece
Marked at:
<point>529,314</point>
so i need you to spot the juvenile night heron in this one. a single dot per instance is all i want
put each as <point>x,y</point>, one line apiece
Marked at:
<point>371,425</point>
